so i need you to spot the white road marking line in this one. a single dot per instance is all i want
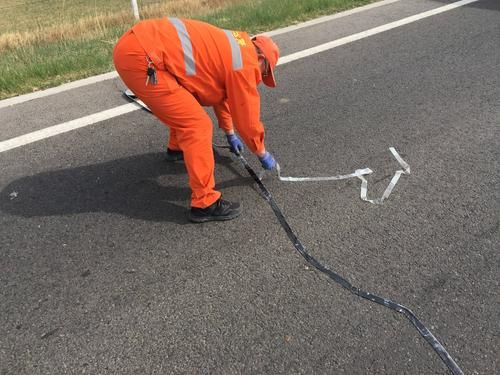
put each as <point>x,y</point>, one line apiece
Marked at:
<point>117,111</point>
<point>103,77</point>
<point>329,18</point>
<point>66,126</point>
<point>370,32</point>
<point>56,90</point>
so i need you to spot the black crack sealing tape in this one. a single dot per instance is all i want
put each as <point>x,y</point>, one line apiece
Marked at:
<point>421,328</point>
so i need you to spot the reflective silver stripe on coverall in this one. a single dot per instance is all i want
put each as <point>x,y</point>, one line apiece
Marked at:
<point>187,47</point>
<point>235,50</point>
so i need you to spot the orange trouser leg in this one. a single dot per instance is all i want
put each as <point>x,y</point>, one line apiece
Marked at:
<point>177,109</point>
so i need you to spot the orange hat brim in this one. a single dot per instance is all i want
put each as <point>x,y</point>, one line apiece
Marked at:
<point>269,80</point>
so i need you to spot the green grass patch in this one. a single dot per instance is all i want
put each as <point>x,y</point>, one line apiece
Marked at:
<point>31,68</point>
<point>42,65</point>
<point>264,15</point>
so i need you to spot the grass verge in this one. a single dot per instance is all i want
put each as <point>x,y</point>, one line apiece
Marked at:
<point>31,65</point>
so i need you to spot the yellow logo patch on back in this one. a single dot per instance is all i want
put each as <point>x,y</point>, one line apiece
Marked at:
<point>239,38</point>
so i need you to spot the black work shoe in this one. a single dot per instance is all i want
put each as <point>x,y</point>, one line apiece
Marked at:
<point>221,210</point>
<point>174,155</point>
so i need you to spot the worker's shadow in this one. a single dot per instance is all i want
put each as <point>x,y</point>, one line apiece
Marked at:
<point>143,186</point>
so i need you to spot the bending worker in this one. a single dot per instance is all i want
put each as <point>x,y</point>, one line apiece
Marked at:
<point>176,66</point>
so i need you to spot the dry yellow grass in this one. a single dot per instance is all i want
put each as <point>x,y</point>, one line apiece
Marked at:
<point>92,26</point>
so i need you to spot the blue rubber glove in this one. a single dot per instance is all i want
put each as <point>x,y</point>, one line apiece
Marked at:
<point>234,143</point>
<point>267,161</point>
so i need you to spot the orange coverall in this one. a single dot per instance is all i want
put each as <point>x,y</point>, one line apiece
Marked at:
<point>197,65</point>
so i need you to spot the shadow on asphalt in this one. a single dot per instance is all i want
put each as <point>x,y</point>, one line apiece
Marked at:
<point>128,186</point>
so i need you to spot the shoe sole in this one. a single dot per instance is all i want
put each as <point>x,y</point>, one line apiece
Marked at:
<point>205,219</point>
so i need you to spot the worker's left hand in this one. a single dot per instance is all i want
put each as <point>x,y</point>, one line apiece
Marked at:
<point>234,143</point>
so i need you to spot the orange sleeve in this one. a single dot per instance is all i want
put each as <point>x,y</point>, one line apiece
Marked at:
<point>223,116</point>
<point>244,104</point>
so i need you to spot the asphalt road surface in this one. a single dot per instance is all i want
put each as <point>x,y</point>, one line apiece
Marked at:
<point>101,272</point>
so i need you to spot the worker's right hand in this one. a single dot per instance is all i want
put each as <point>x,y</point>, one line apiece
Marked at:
<point>267,161</point>
<point>234,143</point>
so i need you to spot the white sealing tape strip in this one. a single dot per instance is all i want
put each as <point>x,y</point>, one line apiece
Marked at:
<point>358,173</point>
<point>392,184</point>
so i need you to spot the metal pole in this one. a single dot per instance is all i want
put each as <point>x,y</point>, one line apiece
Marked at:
<point>135,9</point>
